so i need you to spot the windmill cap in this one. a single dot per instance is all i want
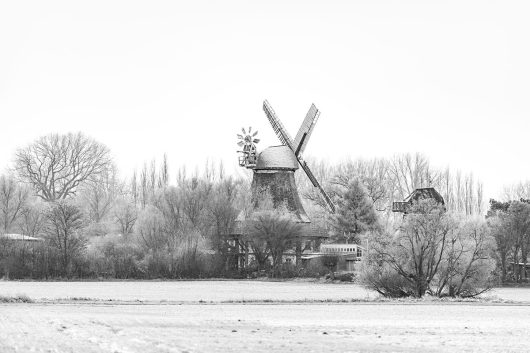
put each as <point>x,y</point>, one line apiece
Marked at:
<point>277,157</point>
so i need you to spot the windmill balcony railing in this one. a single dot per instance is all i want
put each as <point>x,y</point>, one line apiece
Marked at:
<point>247,160</point>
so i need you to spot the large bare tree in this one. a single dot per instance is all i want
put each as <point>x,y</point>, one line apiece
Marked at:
<point>56,165</point>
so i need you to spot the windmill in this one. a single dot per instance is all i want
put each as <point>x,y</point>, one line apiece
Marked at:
<point>300,142</point>
<point>274,167</point>
<point>273,176</point>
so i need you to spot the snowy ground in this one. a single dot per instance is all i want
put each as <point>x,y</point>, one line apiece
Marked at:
<point>217,291</point>
<point>185,291</point>
<point>183,325</point>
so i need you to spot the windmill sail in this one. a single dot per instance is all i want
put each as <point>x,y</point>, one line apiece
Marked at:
<point>277,125</point>
<point>300,141</point>
<point>316,184</point>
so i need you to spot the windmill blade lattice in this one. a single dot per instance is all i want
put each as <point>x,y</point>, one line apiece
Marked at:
<point>300,141</point>
<point>277,125</point>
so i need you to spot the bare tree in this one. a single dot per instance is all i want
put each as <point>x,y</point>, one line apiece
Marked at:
<point>65,222</point>
<point>409,172</point>
<point>133,188</point>
<point>163,174</point>
<point>517,191</point>
<point>56,165</point>
<point>196,195</point>
<point>32,220</point>
<point>468,264</point>
<point>125,215</point>
<point>480,198</point>
<point>374,175</point>
<point>144,194</point>
<point>13,198</point>
<point>417,250</point>
<point>99,196</point>
<point>223,213</point>
<point>270,234</point>
<point>389,180</point>
<point>152,178</point>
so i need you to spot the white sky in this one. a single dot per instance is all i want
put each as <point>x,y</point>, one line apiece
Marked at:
<point>449,79</point>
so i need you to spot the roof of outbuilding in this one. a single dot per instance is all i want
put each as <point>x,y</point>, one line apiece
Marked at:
<point>276,157</point>
<point>425,193</point>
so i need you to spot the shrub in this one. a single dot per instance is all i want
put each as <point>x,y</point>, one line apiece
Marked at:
<point>432,252</point>
<point>314,269</point>
<point>345,277</point>
<point>385,280</point>
<point>114,256</point>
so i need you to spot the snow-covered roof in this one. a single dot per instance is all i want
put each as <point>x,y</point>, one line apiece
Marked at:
<point>425,193</point>
<point>19,237</point>
<point>277,157</point>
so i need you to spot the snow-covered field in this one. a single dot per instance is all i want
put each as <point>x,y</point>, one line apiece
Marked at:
<point>264,328</point>
<point>172,320</point>
<point>185,291</point>
<point>217,291</point>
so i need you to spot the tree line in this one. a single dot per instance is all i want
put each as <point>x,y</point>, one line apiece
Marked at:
<point>66,190</point>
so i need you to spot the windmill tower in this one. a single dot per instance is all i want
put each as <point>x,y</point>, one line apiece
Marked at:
<point>274,168</point>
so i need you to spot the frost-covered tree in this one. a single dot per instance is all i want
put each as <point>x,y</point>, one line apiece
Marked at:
<point>64,230</point>
<point>355,211</point>
<point>271,233</point>
<point>56,165</point>
<point>13,199</point>
<point>414,253</point>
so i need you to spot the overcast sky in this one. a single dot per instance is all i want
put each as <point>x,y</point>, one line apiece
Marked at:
<point>449,79</point>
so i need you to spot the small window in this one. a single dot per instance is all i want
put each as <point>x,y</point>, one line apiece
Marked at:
<point>359,252</point>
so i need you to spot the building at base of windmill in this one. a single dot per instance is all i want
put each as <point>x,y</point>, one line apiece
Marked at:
<point>309,252</point>
<point>348,256</point>
<point>309,242</point>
